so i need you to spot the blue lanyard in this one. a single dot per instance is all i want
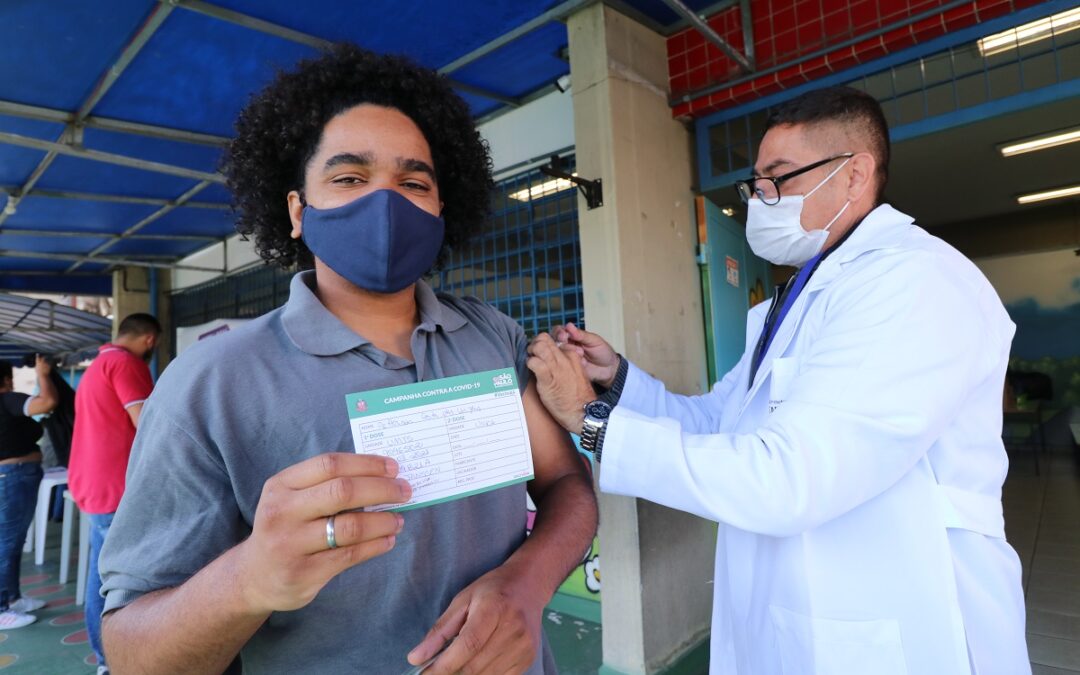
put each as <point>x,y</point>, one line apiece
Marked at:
<point>786,300</point>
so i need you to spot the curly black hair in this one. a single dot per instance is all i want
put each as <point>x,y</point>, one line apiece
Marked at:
<point>280,129</point>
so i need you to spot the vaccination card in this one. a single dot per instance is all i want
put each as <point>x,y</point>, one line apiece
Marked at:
<point>452,438</point>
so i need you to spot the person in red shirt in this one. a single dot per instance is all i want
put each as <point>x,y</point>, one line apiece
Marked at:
<point>108,401</point>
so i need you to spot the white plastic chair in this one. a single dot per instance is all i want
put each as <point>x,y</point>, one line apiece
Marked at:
<point>84,547</point>
<point>36,536</point>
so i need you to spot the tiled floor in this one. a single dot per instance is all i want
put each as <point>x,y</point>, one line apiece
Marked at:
<point>1042,521</point>
<point>57,643</point>
<point>575,642</point>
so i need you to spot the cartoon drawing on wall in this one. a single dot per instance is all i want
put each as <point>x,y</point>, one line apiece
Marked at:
<point>592,572</point>
<point>1041,291</point>
<point>584,581</point>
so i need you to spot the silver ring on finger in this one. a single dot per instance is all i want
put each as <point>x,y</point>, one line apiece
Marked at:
<point>331,539</point>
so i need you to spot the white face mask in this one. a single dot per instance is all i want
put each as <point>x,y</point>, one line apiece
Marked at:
<point>776,234</point>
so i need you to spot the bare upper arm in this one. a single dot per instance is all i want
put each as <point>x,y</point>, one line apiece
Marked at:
<point>39,405</point>
<point>554,454</point>
<point>133,411</point>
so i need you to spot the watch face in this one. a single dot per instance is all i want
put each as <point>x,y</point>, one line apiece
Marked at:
<point>598,409</point>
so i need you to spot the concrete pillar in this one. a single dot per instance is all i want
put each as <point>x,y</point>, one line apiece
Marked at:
<point>131,294</point>
<point>642,292</point>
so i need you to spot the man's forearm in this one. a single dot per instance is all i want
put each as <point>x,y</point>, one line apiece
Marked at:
<point>46,388</point>
<point>197,627</point>
<point>566,517</point>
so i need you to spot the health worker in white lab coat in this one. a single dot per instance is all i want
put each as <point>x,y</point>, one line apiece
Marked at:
<point>853,456</point>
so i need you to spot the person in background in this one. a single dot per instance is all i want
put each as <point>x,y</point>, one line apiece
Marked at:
<point>107,406</point>
<point>20,474</point>
<point>59,424</point>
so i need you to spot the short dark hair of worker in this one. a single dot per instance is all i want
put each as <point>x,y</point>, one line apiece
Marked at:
<point>279,131</point>
<point>139,324</point>
<point>855,111</point>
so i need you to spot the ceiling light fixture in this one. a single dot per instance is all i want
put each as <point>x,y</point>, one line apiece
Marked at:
<point>556,185</point>
<point>1041,142</point>
<point>1053,25</point>
<point>1058,193</point>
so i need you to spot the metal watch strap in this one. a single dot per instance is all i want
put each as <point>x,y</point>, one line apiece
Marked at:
<point>600,440</point>
<point>590,434</point>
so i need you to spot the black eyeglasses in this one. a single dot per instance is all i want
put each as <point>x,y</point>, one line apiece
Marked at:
<point>767,188</point>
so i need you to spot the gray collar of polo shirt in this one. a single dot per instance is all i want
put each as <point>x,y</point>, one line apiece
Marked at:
<point>315,330</point>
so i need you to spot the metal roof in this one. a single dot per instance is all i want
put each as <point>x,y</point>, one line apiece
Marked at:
<point>34,326</point>
<point>113,114</point>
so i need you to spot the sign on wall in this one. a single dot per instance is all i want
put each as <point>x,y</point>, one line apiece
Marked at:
<point>189,335</point>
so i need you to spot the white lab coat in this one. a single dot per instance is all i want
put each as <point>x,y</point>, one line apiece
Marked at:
<point>861,528</point>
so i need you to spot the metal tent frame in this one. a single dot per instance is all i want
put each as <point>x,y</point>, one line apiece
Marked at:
<point>34,326</point>
<point>150,188</point>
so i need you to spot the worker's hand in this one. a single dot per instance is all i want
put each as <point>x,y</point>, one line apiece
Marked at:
<point>494,624</point>
<point>560,380</point>
<point>42,365</point>
<point>600,361</point>
<point>286,560</point>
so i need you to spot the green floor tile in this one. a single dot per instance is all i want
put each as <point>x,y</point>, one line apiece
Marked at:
<point>56,644</point>
<point>575,642</point>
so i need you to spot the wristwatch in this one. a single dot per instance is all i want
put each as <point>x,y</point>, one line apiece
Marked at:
<point>594,426</point>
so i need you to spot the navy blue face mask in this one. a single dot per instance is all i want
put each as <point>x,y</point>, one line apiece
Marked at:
<point>381,242</point>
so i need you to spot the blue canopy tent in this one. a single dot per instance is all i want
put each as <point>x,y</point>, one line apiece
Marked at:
<point>31,326</point>
<point>113,114</point>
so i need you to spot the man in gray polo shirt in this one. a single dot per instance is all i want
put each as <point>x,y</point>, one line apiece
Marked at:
<point>222,546</point>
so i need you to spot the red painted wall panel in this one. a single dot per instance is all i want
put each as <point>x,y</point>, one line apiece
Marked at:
<point>785,30</point>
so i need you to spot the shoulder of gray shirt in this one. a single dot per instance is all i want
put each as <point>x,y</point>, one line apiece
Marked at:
<point>199,367</point>
<point>479,312</point>
<point>476,310</point>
